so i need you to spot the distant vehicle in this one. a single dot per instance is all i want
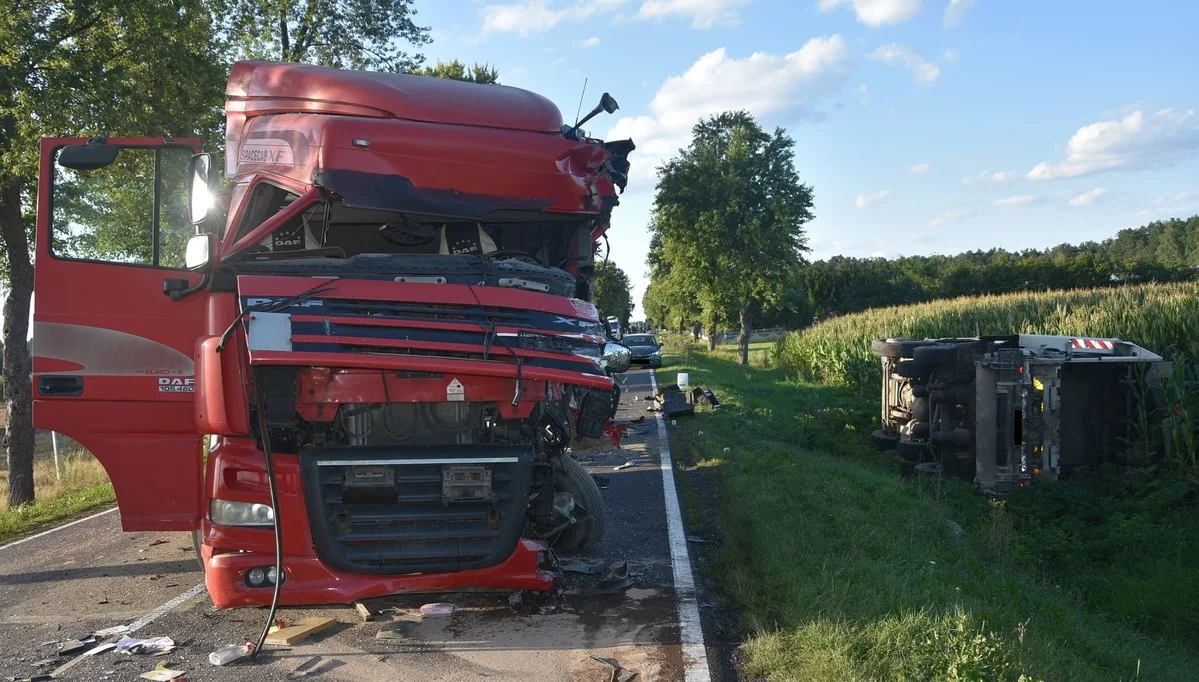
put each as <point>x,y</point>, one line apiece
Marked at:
<point>614,328</point>
<point>1004,411</point>
<point>646,349</point>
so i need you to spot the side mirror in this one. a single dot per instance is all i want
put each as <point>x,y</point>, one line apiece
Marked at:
<point>199,251</point>
<point>608,102</point>
<point>202,190</point>
<point>97,153</point>
<point>617,358</point>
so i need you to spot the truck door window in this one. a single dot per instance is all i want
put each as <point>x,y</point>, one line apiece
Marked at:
<point>132,212</point>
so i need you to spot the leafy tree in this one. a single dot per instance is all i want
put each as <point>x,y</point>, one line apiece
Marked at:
<point>730,211</point>
<point>456,70</point>
<point>353,34</point>
<point>613,293</point>
<point>84,67</point>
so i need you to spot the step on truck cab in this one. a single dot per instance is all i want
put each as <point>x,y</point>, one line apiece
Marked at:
<point>389,298</point>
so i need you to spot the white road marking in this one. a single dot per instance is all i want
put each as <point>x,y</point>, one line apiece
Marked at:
<point>161,610</point>
<point>691,631</point>
<point>58,528</point>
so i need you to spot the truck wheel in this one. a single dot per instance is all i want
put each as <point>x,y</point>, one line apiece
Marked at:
<point>910,369</point>
<point>882,439</point>
<point>895,348</point>
<point>910,450</point>
<point>196,542</point>
<point>589,507</point>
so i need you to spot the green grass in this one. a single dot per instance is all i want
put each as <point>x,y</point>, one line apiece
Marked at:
<point>80,484</point>
<point>842,570</point>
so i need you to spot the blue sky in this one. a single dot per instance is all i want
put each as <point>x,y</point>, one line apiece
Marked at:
<point>924,126</point>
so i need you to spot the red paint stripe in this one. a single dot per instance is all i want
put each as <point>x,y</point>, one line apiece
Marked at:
<point>420,363</point>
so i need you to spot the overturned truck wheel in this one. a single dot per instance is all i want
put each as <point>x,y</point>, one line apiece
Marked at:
<point>588,530</point>
<point>896,348</point>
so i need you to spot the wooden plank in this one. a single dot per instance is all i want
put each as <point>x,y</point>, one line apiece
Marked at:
<point>304,628</point>
<point>363,611</point>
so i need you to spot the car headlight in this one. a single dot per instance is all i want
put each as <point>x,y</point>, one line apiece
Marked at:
<point>229,513</point>
<point>656,354</point>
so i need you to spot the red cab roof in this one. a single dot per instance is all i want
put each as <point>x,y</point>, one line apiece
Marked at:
<point>259,88</point>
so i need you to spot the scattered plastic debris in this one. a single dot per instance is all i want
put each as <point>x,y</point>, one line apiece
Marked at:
<point>154,645</point>
<point>547,609</point>
<point>74,646</point>
<point>230,653</point>
<point>438,609</point>
<point>395,631</point>
<point>700,433</point>
<point>516,599</point>
<point>697,540</point>
<point>728,449</point>
<point>638,420</point>
<point>100,648</point>
<point>162,674</point>
<point>674,422</point>
<point>114,630</point>
<point>157,543</point>
<point>617,578</point>
<point>627,465</point>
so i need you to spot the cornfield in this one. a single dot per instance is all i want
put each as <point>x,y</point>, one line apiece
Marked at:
<point>1161,317</point>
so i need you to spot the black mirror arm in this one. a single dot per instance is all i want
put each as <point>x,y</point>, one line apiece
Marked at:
<point>177,289</point>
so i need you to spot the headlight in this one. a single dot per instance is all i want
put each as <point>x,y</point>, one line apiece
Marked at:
<point>227,513</point>
<point>656,354</point>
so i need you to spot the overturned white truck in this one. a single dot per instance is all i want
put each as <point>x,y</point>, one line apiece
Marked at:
<point>1005,410</point>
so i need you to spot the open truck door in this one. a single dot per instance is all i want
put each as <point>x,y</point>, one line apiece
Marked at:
<point>112,352</point>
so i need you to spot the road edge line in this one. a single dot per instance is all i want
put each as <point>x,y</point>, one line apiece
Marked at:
<point>162,610</point>
<point>691,630</point>
<point>57,528</point>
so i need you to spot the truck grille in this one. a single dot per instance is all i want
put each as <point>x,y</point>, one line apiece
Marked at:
<point>415,509</point>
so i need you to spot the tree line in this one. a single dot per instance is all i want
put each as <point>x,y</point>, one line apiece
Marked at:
<point>119,68</point>
<point>1161,251</point>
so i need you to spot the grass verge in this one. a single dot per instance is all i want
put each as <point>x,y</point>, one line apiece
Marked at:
<point>83,485</point>
<point>841,570</point>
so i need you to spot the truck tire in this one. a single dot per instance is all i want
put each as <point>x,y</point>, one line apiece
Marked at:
<point>919,389</point>
<point>196,542</point>
<point>882,439</point>
<point>910,450</point>
<point>895,348</point>
<point>910,369</point>
<point>574,479</point>
<point>936,354</point>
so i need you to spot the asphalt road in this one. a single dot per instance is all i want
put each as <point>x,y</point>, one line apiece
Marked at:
<point>90,576</point>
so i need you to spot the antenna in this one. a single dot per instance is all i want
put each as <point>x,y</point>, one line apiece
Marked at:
<point>580,109</point>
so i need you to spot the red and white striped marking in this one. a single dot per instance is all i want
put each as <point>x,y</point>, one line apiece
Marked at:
<point>1093,344</point>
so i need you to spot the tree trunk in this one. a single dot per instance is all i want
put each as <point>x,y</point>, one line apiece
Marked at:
<point>711,337</point>
<point>18,392</point>
<point>743,337</point>
<point>284,43</point>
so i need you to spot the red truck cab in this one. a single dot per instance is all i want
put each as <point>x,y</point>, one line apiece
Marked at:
<point>390,301</point>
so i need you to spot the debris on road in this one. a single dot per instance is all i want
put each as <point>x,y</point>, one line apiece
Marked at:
<point>154,645</point>
<point>601,482</point>
<point>579,565</point>
<point>394,631</point>
<point>157,543</point>
<point>230,653</point>
<point>438,609</point>
<point>74,646</point>
<point>627,465</point>
<point>516,599</point>
<point>697,540</point>
<point>310,667</point>
<point>114,630</point>
<point>162,674</point>
<point>364,611</point>
<point>301,630</point>
<point>617,578</point>
<point>100,648</point>
<point>638,420</point>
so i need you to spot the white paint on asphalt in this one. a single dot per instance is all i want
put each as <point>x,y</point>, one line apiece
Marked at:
<point>162,610</point>
<point>691,631</point>
<point>58,528</point>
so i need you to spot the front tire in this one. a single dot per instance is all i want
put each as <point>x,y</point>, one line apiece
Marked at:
<point>571,477</point>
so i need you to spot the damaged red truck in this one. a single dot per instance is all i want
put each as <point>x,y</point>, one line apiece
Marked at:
<point>392,317</point>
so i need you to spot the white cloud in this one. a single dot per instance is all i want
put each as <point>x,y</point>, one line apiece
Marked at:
<point>1018,201</point>
<point>948,217</point>
<point>955,12</point>
<point>1134,142</point>
<point>894,54</point>
<point>951,55</point>
<point>761,83</point>
<point>996,178</point>
<point>527,17</point>
<point>919,168</point>
<point>876,12</point>
<point>1000,177</point>
<point>593,41</point>
<point>865,200</point>
<point>703,13</point>
<point>1183,196</point>
<point>1088,198</point>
